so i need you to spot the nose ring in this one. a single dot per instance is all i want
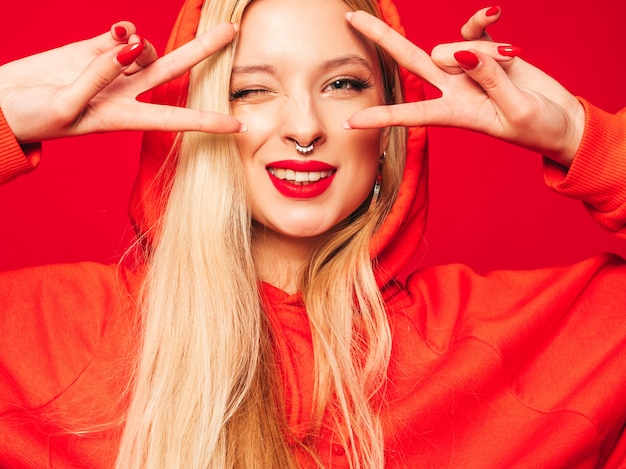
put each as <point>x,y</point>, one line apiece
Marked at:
<point>305,150</point>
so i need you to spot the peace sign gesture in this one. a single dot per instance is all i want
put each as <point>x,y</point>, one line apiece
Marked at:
<point>92,86</point>
<point>483,89</point>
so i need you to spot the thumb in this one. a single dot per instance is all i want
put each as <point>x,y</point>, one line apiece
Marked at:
<point>100,73</point>
<point>492,78</point>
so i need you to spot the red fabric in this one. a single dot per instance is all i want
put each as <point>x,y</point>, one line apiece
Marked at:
<point>604,135</point>
<point>512,369</point>
<point>16,159</point>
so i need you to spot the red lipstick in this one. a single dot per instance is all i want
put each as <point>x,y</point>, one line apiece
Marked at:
<point>298,179</point>
<point>302,165</point>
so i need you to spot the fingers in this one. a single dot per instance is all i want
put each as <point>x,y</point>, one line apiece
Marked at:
<point>401,49</point>
<point>145,58</point>
<point>178,119</point>
<point>443,54</point>
<point>510,101</point>
<point>126,32</point>
<point>99,74</point>
<point>432,112</point>
<point>122,31</point>
<point>476,27</point>
<point>185,57</point>
<point>126,113</point>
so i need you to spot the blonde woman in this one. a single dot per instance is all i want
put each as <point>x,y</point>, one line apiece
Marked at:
<point>266,325</point>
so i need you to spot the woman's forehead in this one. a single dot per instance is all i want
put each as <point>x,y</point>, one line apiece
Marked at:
<point>300,29</point>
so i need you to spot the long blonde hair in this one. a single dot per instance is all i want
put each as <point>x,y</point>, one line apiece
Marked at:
<point>205,389</point>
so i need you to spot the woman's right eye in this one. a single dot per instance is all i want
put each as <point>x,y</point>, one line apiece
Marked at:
<point>243,93</point>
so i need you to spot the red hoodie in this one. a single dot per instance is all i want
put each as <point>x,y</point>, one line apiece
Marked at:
<point>510,369</point>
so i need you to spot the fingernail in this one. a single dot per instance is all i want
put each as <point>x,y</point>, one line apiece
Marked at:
<point>346,125</point>
<point>243,128</point>
<point>493,11</point>
<point>235,26</point>
<point>120,32</point>
<point>466,59</point>
<point>130,53</point>
<point>349,15</point>
<point>509,51</point>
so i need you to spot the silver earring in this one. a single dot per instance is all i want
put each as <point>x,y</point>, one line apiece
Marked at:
<point>379,177</point>
<point>305,150</point>
<point>377,184</point>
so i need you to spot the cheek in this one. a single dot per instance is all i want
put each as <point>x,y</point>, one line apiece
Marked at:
<point>360,165</point>
<point>261,127</point>
<point>363,148</point>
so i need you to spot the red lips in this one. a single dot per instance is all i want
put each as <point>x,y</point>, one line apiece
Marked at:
<point>301,179</point>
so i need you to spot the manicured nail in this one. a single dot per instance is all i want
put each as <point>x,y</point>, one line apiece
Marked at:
<point>120,31</point>
<point>466,59</point>
<point>509,51</point>
<point>493,11</point>
<point>130,53</point>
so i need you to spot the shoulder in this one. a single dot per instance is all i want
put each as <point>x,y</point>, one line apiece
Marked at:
<point>499,292</point>
<point>552,335</point>
<point>53,322</point>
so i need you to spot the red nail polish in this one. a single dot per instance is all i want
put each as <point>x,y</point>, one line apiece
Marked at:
<point>120,31</point>
<point>509,51</point>
<point>466,59</point>
<point>493,11</point>
<point>129,54</point>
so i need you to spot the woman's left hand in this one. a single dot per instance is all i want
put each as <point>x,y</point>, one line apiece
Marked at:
<point>483,89</point>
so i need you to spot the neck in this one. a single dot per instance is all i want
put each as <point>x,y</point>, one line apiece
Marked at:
<point>280,259</point>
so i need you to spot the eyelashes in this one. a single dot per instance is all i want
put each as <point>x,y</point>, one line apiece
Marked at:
<point>245,92</point>
<point>338,85</point>
<point>345,84</point>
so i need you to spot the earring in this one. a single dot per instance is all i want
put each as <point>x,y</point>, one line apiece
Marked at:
<point>379,177</point>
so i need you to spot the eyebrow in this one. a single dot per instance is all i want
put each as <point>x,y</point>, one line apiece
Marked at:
<point>243,69</point>
<point>347,60</point>
<point>325,66</point>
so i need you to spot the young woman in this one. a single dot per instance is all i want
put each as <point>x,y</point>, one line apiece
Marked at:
<point>266,327</point>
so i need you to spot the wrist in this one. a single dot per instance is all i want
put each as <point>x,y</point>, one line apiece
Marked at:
<point>571,141</point>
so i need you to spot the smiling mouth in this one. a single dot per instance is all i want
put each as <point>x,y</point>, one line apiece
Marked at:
<point>299,177</point>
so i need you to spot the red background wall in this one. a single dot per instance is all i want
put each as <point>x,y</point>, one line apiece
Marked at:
<point>489,207</point>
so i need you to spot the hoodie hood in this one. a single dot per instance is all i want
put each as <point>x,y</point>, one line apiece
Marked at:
<point>400,235</point>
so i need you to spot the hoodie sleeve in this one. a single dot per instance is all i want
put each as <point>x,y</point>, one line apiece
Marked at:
<point>15,159</point>
<point>598,172</point>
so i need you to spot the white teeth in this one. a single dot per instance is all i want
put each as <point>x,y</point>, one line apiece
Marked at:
<point>299,176</point>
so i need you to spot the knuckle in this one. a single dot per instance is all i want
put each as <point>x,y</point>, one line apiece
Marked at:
<point>438,54</point>
<point>101,80</point>
<point>64,114</point>
<point>489,82</point>
<point>524,114</point>
<point>415,55</point>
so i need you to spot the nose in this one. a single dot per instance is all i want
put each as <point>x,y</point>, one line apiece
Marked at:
<point>303,125</point>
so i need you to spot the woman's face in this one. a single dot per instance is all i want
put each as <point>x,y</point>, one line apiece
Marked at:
<point>300,71</point>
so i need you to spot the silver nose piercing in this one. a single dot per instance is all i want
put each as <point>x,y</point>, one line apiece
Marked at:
<point>305,150</point>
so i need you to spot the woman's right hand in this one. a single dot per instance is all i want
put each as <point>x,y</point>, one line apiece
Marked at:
<point>92,86</point>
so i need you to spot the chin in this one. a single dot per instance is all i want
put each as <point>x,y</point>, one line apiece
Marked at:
<point>304,232</point>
